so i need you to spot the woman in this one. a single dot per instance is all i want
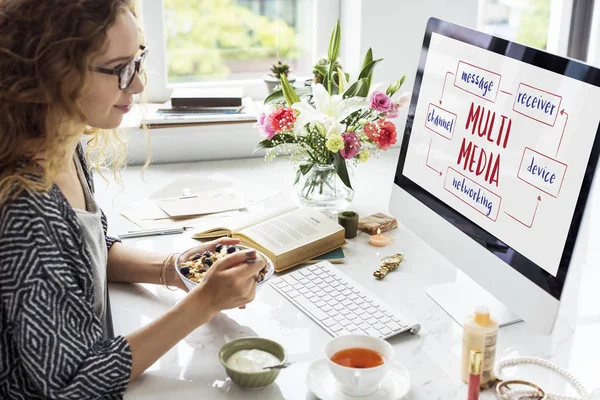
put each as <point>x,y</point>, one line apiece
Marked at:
<point>69,67</point>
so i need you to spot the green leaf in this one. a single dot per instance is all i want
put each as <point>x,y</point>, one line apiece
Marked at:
<point>278,94</point>
<point>367,70</point>
<point>368,58</point>
<point>288,91</point>
<point>340,167</point>
<point>321,70</point>
<point>305,168</point>
<point>297,176</point>
<point>334,43</point>
<point>359,88</point>
<point>264,144</point>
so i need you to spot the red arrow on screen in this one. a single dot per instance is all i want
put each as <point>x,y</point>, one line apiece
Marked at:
<point>532,219</point>
<point>563,112</point>
<point>427,159</point>
<point>444,87</point>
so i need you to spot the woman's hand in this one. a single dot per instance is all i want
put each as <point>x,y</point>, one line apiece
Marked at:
<point>173,279</point>
<point>229,283</point>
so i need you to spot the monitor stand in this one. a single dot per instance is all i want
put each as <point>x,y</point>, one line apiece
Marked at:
<point>460,298</point>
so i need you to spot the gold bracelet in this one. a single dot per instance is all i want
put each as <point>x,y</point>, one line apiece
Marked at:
<point>162,277</point>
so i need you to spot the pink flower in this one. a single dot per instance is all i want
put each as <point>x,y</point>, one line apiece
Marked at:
<point>283,119</point>
<point>404,99</point>
<point>351,145</point>
<point>392,112</point>
<point>380,102</point>
<point>265,126</point>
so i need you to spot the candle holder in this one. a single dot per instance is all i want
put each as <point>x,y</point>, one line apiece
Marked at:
<point>349,220</point>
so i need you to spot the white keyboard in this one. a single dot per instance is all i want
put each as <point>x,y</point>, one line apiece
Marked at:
<point>339,304</point>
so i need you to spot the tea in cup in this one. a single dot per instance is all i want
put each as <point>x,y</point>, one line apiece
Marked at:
<point>359,362</point>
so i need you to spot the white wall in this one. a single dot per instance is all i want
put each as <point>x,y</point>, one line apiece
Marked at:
<point>394,30</point>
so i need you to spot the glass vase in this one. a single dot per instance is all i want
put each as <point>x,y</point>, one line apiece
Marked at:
<point>323,189</point>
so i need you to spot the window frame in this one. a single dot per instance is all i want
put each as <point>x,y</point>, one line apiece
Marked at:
<point>159,90</point>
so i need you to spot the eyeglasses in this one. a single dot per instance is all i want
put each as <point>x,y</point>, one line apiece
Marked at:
<point>126,72</point>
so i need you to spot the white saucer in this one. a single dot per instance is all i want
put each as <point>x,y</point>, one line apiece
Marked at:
<point>321,382</point>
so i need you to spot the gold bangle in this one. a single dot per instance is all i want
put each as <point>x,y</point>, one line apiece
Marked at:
<point>162,277</point>
<point>503,388</point>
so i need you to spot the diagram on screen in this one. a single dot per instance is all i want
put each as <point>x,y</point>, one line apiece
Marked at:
<point>491,130</point>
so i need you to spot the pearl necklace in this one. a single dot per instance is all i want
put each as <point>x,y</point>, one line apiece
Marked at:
<point>544,363</point>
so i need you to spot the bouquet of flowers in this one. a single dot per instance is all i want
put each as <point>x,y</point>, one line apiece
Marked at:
<point>323,126</point>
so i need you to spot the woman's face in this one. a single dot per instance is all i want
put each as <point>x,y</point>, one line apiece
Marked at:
<point>105,104</point>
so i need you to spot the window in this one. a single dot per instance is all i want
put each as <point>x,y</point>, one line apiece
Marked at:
<point>232,42</point>
<point>543,24</point>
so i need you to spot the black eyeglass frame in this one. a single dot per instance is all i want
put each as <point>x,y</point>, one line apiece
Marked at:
<point>118,71</point>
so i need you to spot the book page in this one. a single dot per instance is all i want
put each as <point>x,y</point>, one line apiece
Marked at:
<point>292,230</point>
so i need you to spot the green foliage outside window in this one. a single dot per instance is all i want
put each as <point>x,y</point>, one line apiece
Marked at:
<point>204,36</point>
<point>533,29</point>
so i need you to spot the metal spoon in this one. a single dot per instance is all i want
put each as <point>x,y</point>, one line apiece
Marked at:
<point>280,366</point>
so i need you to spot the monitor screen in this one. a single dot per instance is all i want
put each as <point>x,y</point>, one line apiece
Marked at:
<point>502,141</point>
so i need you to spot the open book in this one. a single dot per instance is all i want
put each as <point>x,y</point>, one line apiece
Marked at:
<point>288,236</point>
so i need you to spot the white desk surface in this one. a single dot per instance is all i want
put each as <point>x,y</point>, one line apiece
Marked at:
<point>192,370</point>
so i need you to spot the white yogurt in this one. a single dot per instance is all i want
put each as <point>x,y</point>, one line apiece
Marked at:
<point>251,360</point>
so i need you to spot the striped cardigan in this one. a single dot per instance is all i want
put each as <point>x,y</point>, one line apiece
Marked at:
<point>51,343</point>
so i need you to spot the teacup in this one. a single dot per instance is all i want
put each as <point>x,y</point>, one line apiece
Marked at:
<point>359,381</point>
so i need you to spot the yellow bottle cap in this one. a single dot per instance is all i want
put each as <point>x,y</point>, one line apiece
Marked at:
<point>482,315</point>
<point>475,362</point>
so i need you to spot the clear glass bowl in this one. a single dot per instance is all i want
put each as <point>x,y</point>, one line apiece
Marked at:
<point>183,257</point>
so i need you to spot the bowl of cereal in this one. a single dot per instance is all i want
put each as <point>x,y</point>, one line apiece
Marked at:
<point>192,266</point>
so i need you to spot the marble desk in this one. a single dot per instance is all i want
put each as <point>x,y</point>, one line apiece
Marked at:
<point>191,369</point>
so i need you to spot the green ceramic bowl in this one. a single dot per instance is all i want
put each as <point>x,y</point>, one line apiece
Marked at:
<point>252,380</point>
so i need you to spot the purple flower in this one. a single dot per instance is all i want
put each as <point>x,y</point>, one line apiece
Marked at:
<point>380,102</point>
<point>351,145</point>
<point>392,112</point>
<point>265,126</point>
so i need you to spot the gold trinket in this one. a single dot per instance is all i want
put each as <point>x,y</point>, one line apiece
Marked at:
<point>388,264</point>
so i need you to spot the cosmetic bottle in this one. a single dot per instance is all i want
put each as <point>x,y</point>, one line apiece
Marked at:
<point>475,361</point>
<point>480,332</point>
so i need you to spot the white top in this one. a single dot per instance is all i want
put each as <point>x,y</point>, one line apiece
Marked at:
<point>93,233</point>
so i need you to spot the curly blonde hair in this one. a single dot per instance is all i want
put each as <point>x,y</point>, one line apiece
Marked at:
<point>46,50</point>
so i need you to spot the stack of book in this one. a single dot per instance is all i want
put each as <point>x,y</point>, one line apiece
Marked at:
<point>201,105</point>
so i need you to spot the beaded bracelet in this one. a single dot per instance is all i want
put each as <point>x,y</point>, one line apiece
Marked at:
<point>162,278</point>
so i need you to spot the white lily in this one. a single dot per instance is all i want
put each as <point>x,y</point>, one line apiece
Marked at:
<point>328,110</point>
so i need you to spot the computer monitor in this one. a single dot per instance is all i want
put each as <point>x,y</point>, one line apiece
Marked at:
<point>495,168</point>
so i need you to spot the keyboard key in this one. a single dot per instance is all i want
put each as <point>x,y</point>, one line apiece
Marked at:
<point>356,320</point>
<point>343,332</point>
<point>353,307</point>
<point>372,332</point>
<point>384,320</point>
<point>346,292</point>
<point>293,293</point>
<point>310,285</point>
<point>378,315</point>
<point>339,317</point>
<point>336,327</point>
<point>306,272</point>
<point>311,296</point>
<point>332,312</point>
<point>371,321</point>
<point>329,279</point>
<point>304,291</point>
<point>345,323</point>
<point>328,322</point>
<point>379,326</point>
<point>320,303</point>
<point>346,302</point>
<point>345,312</point>
<point>385,331</point>
<point>393,326</point>
<point>352,296</point>
<point>364,326</point>
<point>310,307</point>
<point>339,306</point>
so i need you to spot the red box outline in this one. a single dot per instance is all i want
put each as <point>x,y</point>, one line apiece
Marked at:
<point>543,155</point>
<point>455,121</point>
<point>446,189</point>
<point>530,117</point>
<point>483,69</point>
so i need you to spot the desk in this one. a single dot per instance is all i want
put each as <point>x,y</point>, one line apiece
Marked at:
<point>191,369</point>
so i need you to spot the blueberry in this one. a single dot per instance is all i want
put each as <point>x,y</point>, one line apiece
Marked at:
<point>196,256</point>
<point>185,271</point>
<point>231,249</point>
<point>208,262</point>
<point>218,248</point>
<point>206,254</point>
